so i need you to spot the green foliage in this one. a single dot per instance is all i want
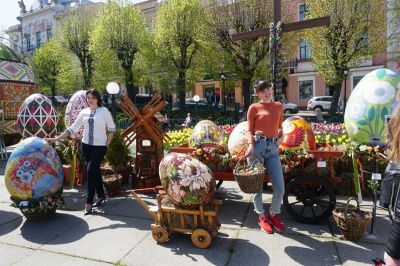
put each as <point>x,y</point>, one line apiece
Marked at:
<point>118,153</point>
<point>66,150</point>
<point>356,32</point>
<point>118,41</point>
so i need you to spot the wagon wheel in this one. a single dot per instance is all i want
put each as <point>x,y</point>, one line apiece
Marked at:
<point>160,234</point>
<point>201,238</point>
<point>309,199</point>
<point>219,183</point>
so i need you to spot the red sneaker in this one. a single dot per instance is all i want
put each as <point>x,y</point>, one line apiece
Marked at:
<point>276,223</point>
<point>265,225</point>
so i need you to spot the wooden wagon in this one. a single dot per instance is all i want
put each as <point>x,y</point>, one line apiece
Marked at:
<point>309,197</point>
<point>202,223</point>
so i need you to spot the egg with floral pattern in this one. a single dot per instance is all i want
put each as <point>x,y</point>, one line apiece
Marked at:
<point>33,170</point>
<point>75,105</point>
<point>187,181</point>
<point>238,143</point>
<point>37,117</point>
<point>297,134</point>
<point>207,135</point>
<point>372,99</point>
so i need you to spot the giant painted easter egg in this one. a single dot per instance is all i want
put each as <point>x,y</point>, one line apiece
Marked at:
<point>74,107</point>
<point>297,134</point>
<point>238,143</point>
<point>372,99</point>
<point>37,117</point>
<point>187,181</point>
<point>207,134</point>
<point>33,170</point>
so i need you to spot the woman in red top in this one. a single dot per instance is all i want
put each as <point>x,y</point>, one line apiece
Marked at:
<point>265,135</point>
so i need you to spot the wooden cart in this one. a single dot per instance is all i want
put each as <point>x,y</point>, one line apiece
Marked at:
<point>205,223</point>
<point>309,198</point>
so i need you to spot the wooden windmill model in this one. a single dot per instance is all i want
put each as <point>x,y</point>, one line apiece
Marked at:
<point>147,131</point>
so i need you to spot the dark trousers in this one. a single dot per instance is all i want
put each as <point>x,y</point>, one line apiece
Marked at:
<point>93,156</point>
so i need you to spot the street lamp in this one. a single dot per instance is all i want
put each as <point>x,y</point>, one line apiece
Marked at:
<point>196,99</point>
<point>345,72</point>
<point>113,89</point>
<point>223,78</point>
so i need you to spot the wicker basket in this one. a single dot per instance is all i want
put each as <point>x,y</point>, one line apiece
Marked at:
<point>352,222</point>
<point>249,182</point>
<point>41,215</point>
<point>111,180</point>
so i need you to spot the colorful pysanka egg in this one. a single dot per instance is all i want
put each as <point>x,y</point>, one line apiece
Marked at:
<point>297,134</point>
<point>75,105</point>
<point>37,117</point>
<point>187,181</point>
<point>207,135</point>
<point>372,99</point>
<point>238,143</point>
<point>33,170</point>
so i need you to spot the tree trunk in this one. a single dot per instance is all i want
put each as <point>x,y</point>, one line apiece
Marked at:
<point>246,93</point>
<point>181,88</point>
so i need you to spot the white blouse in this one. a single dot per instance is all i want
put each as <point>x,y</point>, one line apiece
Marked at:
<point>94,123</point>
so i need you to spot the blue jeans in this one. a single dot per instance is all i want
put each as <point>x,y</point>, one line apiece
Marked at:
<point>268,153</point>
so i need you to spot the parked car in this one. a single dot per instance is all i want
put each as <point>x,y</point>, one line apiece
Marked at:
<point>60,100</point>
<point>201,105</point>
<point>289,108</point>
<point>323,103</point>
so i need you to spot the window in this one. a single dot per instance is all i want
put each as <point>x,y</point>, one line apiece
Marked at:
<point>48,33</point>
<point>356,79</point>
<point>303,9</point>
<point>38,39</point>
<point>306,90</point>
<point>28,41</point>
<point>304,50</point>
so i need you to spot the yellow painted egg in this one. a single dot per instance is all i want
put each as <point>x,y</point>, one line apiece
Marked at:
<point>297,134</point>
<point>207,135</point>
<point>238,143</point>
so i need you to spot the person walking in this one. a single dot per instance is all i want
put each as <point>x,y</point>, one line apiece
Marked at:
<point>95,120</point>
<point>188,121</point>
<point>264,136</point>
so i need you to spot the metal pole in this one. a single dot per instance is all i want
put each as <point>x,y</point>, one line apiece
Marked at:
<point>345,88</point>
<point>113,107</point>
<point>223,95</point>
<point>197,114</point>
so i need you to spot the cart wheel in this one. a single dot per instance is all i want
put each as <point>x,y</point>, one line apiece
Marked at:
<point>309,199</point>
<point>201,238</point>
<point>160,234</point>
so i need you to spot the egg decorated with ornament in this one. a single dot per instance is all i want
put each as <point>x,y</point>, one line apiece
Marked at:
<point>37,117</point>
<point>372,99</point>
<point>33,170</point>
<point>75,105</point>
<point>187,181</point>
<point>207,135</point>
<point>297,134</point>
<point>238,143</point>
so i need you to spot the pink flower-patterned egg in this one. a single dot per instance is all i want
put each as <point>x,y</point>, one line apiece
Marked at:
<point>187,181</point>
<point>75,105</point>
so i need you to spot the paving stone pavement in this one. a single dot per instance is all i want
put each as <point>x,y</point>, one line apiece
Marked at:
<point>119,233</point>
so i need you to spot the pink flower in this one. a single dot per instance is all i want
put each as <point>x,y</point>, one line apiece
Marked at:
<point>49,200</point>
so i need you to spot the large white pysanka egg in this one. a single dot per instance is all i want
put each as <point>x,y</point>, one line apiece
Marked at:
<point>33,170</point>
<point>37,117</point>
<point>372,99</point>
<point>75,105</point>
<point>238,143</point>
<point>187,181</point>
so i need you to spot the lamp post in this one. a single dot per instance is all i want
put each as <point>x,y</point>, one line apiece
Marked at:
<point>345,72</point>
<point>113,89</point>
<point>196,99</point>
<point>223,78</point>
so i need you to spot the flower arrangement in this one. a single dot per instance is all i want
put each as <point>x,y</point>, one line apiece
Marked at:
<point>41,208</point>
<point>66,150</point>
<point>330,133</point>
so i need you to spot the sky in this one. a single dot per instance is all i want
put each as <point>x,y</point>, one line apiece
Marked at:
<point>9,10</point>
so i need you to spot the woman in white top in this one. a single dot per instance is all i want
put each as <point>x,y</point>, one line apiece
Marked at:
<point>95,142</point>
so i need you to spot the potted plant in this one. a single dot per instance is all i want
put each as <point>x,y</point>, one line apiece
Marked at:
<point>118,157</point>
<point>66,150</point>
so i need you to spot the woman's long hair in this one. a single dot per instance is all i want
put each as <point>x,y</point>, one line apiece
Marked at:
<point>394,129</point>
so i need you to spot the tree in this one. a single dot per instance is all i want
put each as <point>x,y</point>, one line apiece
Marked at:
<point>74,35</point>
<point>179,35</point>
<point>119,35</point>
<point>246,57</point>
<point>356,33</point>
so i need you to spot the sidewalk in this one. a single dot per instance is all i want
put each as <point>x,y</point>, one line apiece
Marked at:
<point>119,233</point>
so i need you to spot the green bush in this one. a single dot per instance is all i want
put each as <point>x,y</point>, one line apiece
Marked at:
<point>118,154</point>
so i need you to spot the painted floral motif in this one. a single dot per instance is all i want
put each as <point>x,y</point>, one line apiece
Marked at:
<point>186,180</point>
<point>207,134</point>
<point>356,108</point>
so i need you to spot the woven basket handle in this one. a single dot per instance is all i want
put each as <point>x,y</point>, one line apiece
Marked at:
<point>347,204</point>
